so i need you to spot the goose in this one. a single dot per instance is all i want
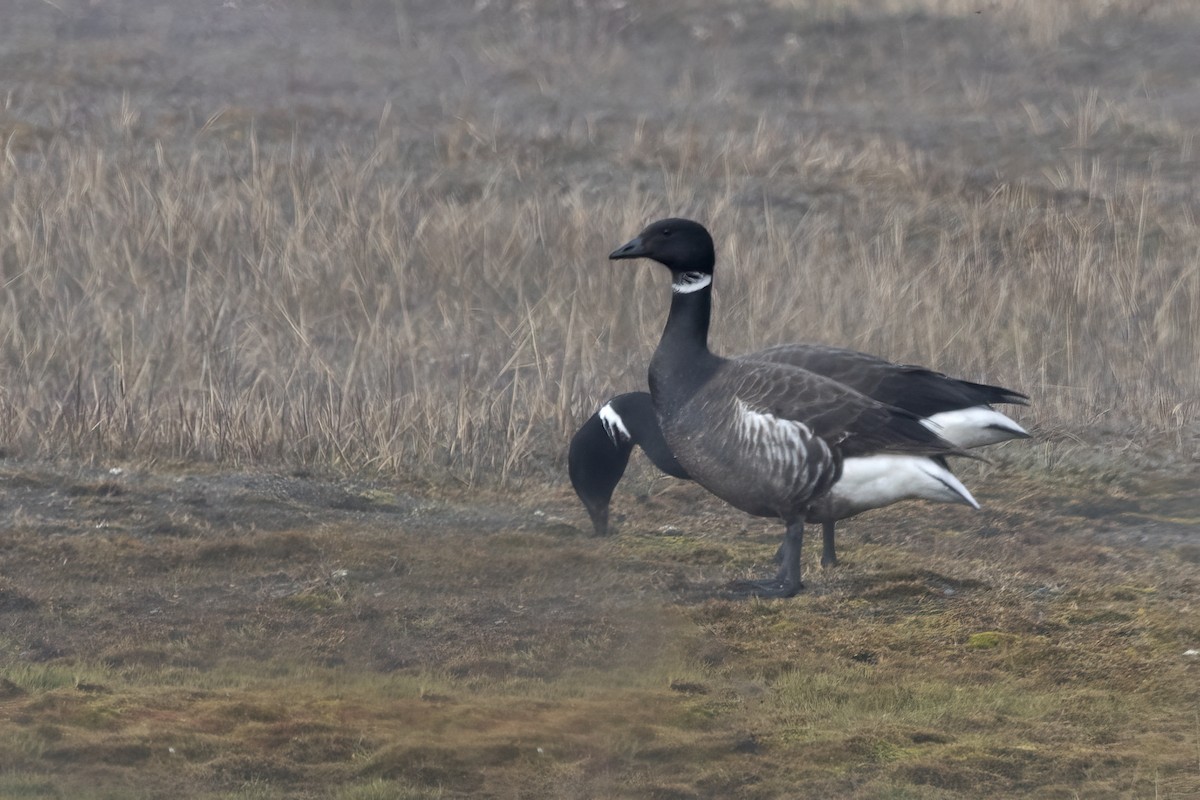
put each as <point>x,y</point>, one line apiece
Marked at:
<point>768,438</point>
<point>957,409</point>
<point>600,451</point>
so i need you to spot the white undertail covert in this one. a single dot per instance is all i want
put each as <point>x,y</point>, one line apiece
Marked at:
<point>974,427</point>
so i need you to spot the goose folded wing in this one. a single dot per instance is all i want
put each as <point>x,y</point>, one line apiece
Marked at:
<point>824,359</point>
<point>917,389</point>
<point>845,418</point>
<point>860,371</point>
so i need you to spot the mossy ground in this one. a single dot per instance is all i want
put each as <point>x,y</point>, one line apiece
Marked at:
<point>278,640</point>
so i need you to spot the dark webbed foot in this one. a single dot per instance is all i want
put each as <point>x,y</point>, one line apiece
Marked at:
<point>787,582</point>
<point>771,588</point>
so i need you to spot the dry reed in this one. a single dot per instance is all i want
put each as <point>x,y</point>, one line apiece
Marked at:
<point>250,293</point>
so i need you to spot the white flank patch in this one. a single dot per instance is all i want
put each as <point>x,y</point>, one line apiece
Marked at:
<point>877,481</point>
<point>974,427</point>
<point>614,426</point>
<point>691,282</point>
<point>777,442</point>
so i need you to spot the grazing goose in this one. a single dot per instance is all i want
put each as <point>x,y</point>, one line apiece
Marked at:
<point>768,438</point>
<point>958,410</point>
<point>600,451</point>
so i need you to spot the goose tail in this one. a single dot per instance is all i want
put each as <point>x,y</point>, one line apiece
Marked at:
<point>976,426</point>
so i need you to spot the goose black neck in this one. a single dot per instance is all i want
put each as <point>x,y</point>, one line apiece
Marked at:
<point>637,411</point>
<point>683,362</point>
<point>687,324</point>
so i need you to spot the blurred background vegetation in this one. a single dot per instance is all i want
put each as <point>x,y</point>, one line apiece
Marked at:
<point>372,235</point>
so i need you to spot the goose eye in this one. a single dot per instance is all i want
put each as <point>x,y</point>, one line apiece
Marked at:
<point>666,231</point>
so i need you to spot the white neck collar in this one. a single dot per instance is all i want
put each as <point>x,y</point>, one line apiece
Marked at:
<point>689,282</point>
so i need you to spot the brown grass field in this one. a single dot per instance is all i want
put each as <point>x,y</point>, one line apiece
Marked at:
<point>303,300</point>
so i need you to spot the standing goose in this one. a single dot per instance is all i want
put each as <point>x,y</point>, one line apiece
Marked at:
<point>958,410</point>
<point>768,438</point>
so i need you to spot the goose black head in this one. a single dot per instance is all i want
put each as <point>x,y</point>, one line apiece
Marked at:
<point>596,461</point>
<point>681,245</point>
<point>600,451</point>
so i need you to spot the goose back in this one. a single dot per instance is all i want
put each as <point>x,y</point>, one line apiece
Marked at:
<point>922,391</point>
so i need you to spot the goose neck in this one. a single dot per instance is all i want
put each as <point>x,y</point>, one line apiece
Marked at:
<point>687,324</point>
<point>683,361</point>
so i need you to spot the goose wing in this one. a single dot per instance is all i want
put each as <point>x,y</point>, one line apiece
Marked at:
<point>922,391</point>
<point>845,418</point>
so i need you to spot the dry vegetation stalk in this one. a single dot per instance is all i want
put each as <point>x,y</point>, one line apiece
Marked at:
<point>249,292</point>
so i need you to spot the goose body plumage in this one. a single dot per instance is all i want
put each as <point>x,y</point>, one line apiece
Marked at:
<point>959,410</point>
<point>768,438</point>
<point>600,450</point>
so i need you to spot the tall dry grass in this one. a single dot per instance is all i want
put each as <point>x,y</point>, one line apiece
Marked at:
<point>442,307</point>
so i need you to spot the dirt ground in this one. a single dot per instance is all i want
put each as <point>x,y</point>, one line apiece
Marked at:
<point>222,633</point>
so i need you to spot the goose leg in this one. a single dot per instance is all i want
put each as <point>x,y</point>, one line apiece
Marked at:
<point>788,577</point>
<point>828,553</point>
<point>786,582</point>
